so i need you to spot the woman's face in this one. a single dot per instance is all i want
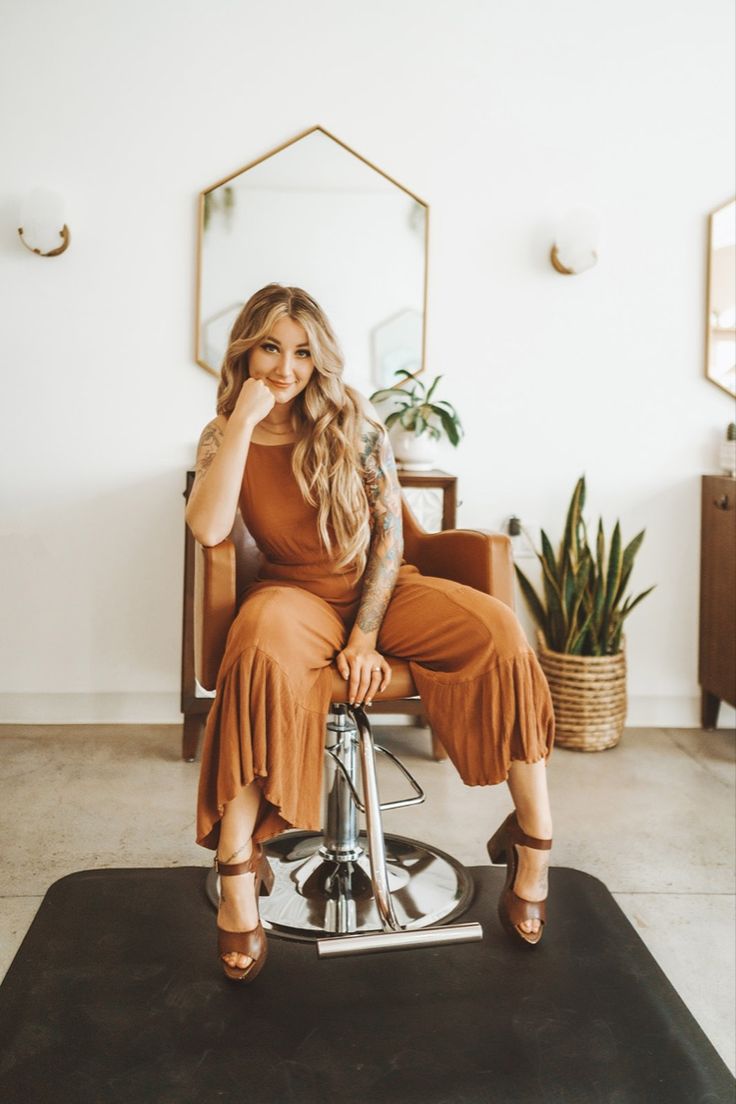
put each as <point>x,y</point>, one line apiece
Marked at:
<point>283,360</point>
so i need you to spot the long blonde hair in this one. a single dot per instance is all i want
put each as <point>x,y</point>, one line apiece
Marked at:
<point>328,417</point>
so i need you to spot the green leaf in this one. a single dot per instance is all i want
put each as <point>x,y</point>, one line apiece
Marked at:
<point>555,606</point>
<point>449,427</point>
<point>386,392</point>
<point>576,643</point>
<point>623,583</point>
<point>615,643</point>
<point>431,390</point>
<point>613,578</point>
<point>600,548</point>
<point>637,600</point>
<point>599,594</point>
<point>567,580</point>
<point>627,564</point>
<point>532,600</point>
<point>400,409</point>
<point>572,522</point>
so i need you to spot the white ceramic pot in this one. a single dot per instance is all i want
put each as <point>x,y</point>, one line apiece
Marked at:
<point>414,453</point>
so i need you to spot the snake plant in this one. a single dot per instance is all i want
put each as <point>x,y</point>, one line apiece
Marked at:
<point>416,411</point>
<point>585,607</point>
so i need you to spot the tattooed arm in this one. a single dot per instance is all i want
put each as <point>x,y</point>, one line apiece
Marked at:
<point>387,543</point>
<point>359,662</point>
<point>221,455</point>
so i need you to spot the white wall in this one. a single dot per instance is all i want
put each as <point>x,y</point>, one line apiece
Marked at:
<point>502,116</point>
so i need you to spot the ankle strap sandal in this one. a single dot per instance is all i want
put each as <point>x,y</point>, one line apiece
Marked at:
<point>252,943</point>
<point>512,909</point>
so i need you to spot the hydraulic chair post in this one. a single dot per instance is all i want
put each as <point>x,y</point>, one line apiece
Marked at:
<point>394,936</point>
<point>341,822</point>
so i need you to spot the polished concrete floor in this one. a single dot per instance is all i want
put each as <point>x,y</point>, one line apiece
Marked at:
<point>652,818</point>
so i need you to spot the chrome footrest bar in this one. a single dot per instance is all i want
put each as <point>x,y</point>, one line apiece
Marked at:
<point>421,796</point>
<point>375,942</point>
<point>402,803</point>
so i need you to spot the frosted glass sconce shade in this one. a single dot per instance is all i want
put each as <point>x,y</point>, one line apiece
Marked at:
<point>43,229</point>
<point>576,242</point>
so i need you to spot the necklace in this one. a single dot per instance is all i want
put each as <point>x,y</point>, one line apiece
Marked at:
<point>278,432</point>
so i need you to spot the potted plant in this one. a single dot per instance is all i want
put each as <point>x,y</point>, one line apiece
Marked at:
<point>580,628</point>
<point>420,420</point>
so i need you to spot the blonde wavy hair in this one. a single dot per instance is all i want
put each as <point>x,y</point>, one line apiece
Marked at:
<point>329,418</point>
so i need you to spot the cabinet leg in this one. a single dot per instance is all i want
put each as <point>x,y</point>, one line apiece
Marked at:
<point>193,728</point>
<point>710,706</point>
<point>438,751</point>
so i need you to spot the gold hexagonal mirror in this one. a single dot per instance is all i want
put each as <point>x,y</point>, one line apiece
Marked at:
<point>720,362</point>
<point>315,214</point>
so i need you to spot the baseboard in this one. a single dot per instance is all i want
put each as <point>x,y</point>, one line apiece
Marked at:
<point>163,708</point>
<point>673,712</point>
<point>121,708</point>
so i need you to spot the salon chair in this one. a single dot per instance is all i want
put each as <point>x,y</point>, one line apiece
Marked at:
<point>351,891</point>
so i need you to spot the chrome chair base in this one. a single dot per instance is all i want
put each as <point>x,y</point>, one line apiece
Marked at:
<point>315,896</point>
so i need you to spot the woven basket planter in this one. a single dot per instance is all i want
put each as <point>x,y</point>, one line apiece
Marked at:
<point>589,697</point>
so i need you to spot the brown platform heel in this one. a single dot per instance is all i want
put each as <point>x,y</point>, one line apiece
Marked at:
<point>252,943</point>
<point>512,909</point>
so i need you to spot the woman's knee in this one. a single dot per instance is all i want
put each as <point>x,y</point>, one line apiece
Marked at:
<point>289,622</point>
<point>504,626</point>
<point>268,614</point>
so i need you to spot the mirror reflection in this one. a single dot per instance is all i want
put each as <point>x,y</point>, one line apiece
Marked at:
<point>317,215</point>
<point>721,326</point>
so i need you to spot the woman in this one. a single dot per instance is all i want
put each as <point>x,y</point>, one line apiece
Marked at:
<point>303,456</point>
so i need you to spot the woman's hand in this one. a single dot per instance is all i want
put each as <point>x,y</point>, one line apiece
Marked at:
<point>255,401</point>
<point>365,670</point>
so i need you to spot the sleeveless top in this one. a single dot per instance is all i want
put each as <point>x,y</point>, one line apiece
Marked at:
<point>284,527</point>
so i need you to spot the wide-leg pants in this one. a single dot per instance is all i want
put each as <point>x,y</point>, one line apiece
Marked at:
<point>482,688</point>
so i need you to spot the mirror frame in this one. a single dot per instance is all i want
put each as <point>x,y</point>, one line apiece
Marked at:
<point>708,277</point>
<point>251,164</point>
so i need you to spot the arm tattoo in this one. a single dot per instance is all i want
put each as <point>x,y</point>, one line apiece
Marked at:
<point>387,544</point>
<point>209,443</point>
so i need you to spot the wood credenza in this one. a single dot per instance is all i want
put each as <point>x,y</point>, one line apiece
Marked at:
<point>433,499</point>
<point>717,652</point>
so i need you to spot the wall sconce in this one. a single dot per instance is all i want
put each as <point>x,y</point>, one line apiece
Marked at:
<point>42,223</point>
<point>576,242</point>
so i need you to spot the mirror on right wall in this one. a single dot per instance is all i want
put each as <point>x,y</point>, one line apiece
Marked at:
<point>720,356</point>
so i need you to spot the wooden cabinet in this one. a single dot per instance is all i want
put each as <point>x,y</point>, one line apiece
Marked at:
<point>717,654</point>
<point>432,498</point>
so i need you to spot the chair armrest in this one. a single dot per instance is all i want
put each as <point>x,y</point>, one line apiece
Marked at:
<point>470,556</point>
<point>215,606</point>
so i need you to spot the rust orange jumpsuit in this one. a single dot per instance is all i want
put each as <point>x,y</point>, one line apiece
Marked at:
<point>483,690</point>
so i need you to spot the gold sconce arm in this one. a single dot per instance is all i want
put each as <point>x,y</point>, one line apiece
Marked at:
<point>65,235</point>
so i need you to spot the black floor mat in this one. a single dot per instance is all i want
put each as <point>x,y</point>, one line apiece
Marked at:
<point>116,995</point>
